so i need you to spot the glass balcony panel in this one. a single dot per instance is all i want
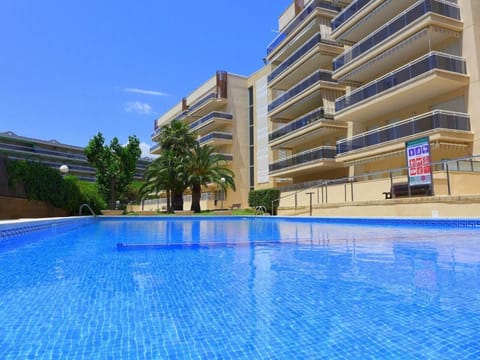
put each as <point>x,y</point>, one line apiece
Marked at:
<point>402,76</point>
<point>383,136</point>
<point>384,84</point>
<point>423,124</point>
<point>404,130</point>
<point>370,90</point>
<point>371,139</point>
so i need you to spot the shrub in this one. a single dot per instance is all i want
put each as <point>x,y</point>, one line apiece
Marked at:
<point>91,196</point>
<point>45,184</point>
<point>266,197</point>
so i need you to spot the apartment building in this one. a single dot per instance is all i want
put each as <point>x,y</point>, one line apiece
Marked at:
<point>55,154</point>
<point>217,112</point>
<point>302,94</point>
<point>346,84</point>
<point>410,68</point>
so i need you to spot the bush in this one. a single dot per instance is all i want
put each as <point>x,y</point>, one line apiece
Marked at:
<point>91,196</point>
<point>39,181</point>
<point>45,184</point>
<point>265,198</point>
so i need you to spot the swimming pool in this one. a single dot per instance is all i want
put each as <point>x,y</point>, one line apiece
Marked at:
<point>240,288</point>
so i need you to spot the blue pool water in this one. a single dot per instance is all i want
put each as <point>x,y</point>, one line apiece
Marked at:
<point>240,288</point>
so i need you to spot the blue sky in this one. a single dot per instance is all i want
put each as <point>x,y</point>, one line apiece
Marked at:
<point>69,69</point>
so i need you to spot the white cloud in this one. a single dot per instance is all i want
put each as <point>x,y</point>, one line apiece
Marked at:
<point>146,150</point>
<point>139,108</point>
<point>145,92</point>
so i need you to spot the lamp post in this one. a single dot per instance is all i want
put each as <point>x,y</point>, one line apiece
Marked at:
<point>64,169</point>
<point>310,193</point>
<point>223,189</point>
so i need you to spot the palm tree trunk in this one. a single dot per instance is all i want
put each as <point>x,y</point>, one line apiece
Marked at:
<point>196,196</point>
<point>169,203</point>
<point>177,201</point>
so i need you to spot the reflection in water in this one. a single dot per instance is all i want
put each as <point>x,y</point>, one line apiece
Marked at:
<point>243,288</point>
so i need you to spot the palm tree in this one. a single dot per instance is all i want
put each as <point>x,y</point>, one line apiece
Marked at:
<point>177,140</point>
<point>160,175</point>
<point>202,167</point>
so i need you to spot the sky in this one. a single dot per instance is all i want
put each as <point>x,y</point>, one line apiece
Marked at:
<point>72,68</point>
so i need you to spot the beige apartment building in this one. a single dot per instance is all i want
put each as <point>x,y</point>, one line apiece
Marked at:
<point>346,84</point>
<point>217,113</point>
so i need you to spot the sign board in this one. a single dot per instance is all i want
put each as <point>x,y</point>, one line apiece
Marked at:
<point>418,162</point>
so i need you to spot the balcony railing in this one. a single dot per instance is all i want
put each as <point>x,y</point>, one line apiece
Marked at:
<point>321,153</point>
<point>155,147</point>
<point>227,157</point>
<point>156,131</point>
<point>426,63</point>
<point>401,21</point>
<point>36,151</point>
<point>197,105</point>
<point>348,12</point>
<point>305,48</point>
<point>316,77</point>
<point>292,126</point>
<point>215,135</point>
<point>212,115</point>
<point>434,120</point>
<point>298,20</point>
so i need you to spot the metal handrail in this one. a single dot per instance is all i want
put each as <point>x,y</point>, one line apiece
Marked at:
<point>88,207</point>
<point>260,210</point>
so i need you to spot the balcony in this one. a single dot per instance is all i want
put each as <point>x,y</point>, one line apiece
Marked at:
<point>227,157</point>
<point>444,126</point>
<point>214,120</point>
<point>217,138</point>
<point>315,53</point>
<point>347,13</point>
<point>430,76</point>
<point>36,151</point>
<point>305,91</point>
<point>296,23</point>
<point>203,106</point>
<point>405,20</point>
<point>155,149</point>
<point>156,133</point>
<point>305,130</point>
<point>305,161</point>
<point>368,67</point>
<point>362,18</point>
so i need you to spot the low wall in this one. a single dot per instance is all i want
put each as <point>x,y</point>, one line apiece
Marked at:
<point>431,206</point>
<point>458,183</point>
<point>18,208</point>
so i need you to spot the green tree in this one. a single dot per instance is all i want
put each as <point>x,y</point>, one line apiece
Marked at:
<point>160,176</point>
<point>175,141</point>
<point>202,167</point>
<point>115,165</point>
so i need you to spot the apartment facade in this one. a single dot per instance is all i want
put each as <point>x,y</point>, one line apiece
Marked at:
<point>411,70</point>
<point>302,95</point>
<point>346,84</point>
<point>217,112</point>
<point>55,154</point>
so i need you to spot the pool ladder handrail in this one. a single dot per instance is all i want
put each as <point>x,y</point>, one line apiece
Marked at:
<point>260,210</point>
<point>88,207</point>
